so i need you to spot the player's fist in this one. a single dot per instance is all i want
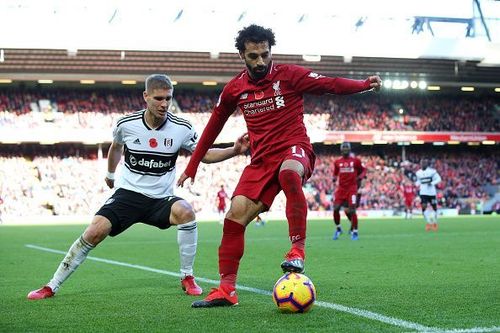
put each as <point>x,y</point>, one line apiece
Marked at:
<point>109,182</point>
<point>375,82</point>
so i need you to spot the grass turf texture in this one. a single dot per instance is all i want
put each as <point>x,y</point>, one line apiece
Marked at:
<point>449,279</point>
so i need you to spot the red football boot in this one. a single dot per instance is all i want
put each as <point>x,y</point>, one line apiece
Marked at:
<point>217,297</point>
<point>44,292</point>
<point>189,285</point>
<point>294,261</point>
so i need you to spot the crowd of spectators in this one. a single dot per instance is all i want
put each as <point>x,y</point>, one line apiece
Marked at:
<point>67,182</point>
<point>99,109</point>
<point>74,185</point>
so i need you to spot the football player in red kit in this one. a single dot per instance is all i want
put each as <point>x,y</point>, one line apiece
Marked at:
<point>270,97</point>
<point>221,203</point>
<point>409,190</point>
<point>350,172</point>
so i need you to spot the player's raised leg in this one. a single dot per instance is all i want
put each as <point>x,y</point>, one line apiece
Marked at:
<point>97,231</point>
<point>290,179</point>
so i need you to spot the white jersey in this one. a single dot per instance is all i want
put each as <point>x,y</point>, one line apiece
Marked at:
<point>427,180</point>
<point>150,154</point>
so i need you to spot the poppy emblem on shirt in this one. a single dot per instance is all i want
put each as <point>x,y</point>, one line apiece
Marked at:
<point>153,143</point>
<point>259,94</point>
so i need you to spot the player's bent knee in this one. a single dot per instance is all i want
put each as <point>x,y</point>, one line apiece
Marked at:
<point>243,210</point>
<point>182,212</point>
<point>98,230</point>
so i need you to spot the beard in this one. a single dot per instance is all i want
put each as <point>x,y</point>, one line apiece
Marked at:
<point>259,72</point>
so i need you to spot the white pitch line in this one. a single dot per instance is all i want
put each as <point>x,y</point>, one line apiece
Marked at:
<point>467,330</point>
<point>354,311</point>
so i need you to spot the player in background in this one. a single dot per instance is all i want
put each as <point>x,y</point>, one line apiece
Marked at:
<point>427,179</point>
<point>270,96</point>
<point>409,190</point>
<point>348,172</point>
<point>221,203</point>
<point>151,140</point>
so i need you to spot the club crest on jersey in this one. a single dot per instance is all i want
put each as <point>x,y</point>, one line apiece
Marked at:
<point>153,143</point>
<point>167,142</point>
<point>259,94</point>
<point>315,75</point>
<point>276,87</point>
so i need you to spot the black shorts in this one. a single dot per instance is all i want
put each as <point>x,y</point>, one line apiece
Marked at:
<point>125,208</point>
<point>428,199</point>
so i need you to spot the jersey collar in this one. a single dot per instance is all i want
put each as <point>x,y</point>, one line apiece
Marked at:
<point>149,127</point>
<point>265,79</point>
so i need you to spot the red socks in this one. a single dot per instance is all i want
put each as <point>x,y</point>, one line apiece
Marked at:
<point>230,252</point>
<point>354,221</point>
<point>336,217</point>
<point>296,207</point>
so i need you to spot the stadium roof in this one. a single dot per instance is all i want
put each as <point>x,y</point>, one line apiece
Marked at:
<point>195,67</point>
<point>452,41</point>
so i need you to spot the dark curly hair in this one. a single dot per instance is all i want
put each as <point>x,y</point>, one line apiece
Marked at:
<point>256,34</point>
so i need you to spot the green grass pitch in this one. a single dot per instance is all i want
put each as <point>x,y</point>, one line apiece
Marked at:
<point>396,278</point>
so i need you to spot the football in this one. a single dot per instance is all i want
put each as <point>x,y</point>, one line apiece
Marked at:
<point>293,293</point>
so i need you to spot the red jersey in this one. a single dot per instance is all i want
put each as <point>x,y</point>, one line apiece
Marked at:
<point>272,107</point>
<point>408,191</point>
<point>349,170</point>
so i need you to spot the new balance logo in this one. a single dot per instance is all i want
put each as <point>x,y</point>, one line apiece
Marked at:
<point>137,141</point>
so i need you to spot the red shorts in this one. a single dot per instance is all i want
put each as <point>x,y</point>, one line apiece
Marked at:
<point>259,180</point>
<point>221,208</point>
<point>346,197</point>
<point>409,201</point>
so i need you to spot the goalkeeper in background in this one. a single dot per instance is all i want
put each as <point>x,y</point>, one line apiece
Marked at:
<point>427,179</point>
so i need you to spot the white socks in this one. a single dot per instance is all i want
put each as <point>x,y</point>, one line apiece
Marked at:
<point>187,238</point>
<point>75,256</point>
<point>427,216</point>
<point>430,217</point>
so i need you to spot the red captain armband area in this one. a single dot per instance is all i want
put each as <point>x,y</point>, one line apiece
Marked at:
<point>349,86</point>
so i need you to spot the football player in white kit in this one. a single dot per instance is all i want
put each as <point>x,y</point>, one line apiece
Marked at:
<point>150,139</point>
<point>427,179</point>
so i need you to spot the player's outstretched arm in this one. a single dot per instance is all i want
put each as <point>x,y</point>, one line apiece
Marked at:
<point>215,155</point>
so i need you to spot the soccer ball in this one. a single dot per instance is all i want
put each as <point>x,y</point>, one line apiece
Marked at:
<point>294,292</point>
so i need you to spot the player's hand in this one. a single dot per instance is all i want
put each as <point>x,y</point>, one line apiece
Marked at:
<point>182,179</point>
<point>375,82</point>
<point>242,144</point>
<point>109,182</point>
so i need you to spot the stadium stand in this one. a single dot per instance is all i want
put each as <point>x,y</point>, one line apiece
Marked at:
<point>66,178</point>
